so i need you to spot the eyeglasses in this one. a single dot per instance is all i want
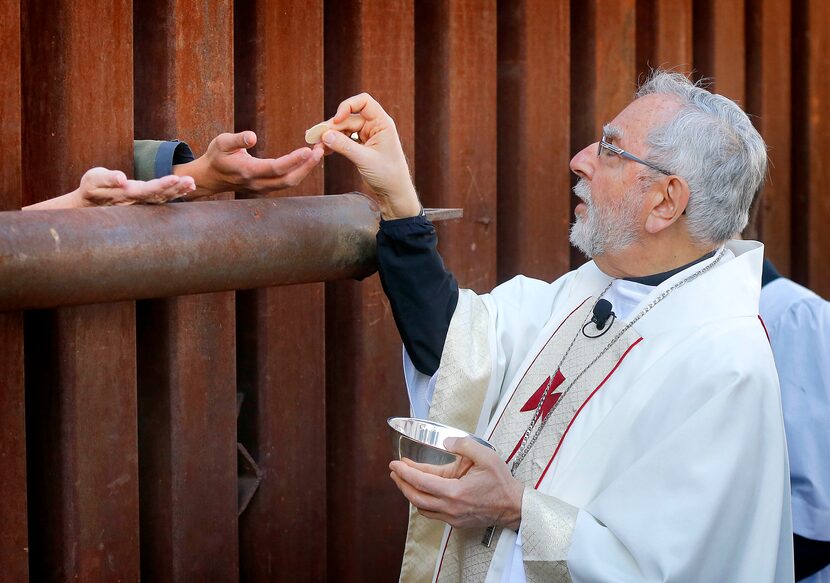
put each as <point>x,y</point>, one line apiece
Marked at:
<point>623,154</point>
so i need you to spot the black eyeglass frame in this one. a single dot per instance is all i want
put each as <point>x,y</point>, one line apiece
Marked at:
<point>627,155</point>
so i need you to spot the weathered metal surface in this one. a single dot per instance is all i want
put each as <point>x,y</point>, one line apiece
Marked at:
<point>187,444</point>
<point>14,544</point>
<point>533,139</point>
<point>455,129</point>
<point>720,46</point>
<point>10,107</point>
<point>187,374</point>
<point>82,450</point>
<point>366,513</point>
<point>811,170</point>
<point>52,258</point>
<point>281,331</point>
<point>664,35</point>
<point>769,101</point>
<point>77,97</point>
<point>187,346</point>
<point>603,72</point>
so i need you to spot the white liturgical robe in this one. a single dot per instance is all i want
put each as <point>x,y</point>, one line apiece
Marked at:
<point>671,467</point>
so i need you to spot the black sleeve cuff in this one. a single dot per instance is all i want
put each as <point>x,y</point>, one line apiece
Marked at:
<point>422,293</point>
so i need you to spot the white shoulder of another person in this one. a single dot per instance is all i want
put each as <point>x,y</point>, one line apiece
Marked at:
<point>785,303</point>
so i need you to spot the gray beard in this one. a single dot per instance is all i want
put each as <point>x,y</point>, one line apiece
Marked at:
<point>610,229</point>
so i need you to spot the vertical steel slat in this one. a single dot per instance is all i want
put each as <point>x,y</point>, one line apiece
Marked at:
<point>80,362</point>
<point>187,349</point>
<point>720,46</point>
<point>673,42</point>
<point>672,29</point>
<point>13,523</point>
<point>14,545</point>
<point>769,42</point>
<point>664,35</point>
<point>455,130</point>
<point>603,72</point>
<point>533,139</point>
<point>281,331</point>
<point>11,182</point>
<point>369,46</point>
<point>811,94</point>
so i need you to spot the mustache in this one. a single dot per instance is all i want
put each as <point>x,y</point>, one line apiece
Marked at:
<point>582,190</point>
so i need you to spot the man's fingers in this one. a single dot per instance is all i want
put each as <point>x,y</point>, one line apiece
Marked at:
<point>249,138</point>
<point>187,184</point>
<point>364,104</point>
<point>284,164</point>
<point>469,448</point>
<point>160,183</point>
<point>297,175</point>
<point>231,142</point>
<point>159,190</point>
<point>428,468</point>
<point>104,178</point>
<point>419,499</point>
<point>352,123</point>
<point>345,146</point>
<point>455,469</point>
<point>423,481</point>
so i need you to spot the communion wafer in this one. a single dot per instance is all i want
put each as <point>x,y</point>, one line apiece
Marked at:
<point>314,134</point>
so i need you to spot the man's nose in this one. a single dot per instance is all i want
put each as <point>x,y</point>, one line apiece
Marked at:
<point>583,163</point>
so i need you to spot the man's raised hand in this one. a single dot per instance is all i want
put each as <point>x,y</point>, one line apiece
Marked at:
<point>378,154</point>
<point>227,166</point>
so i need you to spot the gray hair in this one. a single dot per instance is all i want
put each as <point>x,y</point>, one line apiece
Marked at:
<point>713,145</point>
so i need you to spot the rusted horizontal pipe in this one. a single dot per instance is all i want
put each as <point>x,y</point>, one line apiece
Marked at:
<point>87,256</point>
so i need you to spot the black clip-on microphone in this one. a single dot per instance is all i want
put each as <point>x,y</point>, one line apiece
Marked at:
<point>602,313</point>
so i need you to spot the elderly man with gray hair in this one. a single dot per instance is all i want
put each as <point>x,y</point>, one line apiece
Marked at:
<point>633,403</point>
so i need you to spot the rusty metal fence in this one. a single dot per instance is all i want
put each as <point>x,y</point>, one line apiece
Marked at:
<point>119,420</point>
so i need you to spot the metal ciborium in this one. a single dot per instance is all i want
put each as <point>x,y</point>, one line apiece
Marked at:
<point>422,441</point>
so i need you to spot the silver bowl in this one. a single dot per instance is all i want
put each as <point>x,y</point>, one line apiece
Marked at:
<point>422,441</point>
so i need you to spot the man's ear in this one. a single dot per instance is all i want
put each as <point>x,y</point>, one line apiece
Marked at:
<point>669,198</point>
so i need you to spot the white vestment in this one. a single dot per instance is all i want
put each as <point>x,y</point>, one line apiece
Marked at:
<point>674,469</point>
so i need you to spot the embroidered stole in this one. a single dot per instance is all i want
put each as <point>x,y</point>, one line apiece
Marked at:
<point>463,557</point>
<point>460,387</point>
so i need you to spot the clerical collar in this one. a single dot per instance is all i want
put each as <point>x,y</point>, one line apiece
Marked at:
<point>768,273</point>
<point>658,278</point>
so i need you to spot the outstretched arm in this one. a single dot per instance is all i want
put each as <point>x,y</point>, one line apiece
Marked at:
<point>103,187</point>
<point>422,293</point>
<point>227,166</point>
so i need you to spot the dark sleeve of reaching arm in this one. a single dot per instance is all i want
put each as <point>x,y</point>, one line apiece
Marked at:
<point>156,158</point>
<point>423,294</point>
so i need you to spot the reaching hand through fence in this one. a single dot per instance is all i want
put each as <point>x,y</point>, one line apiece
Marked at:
<point>228,166</point>
<point>103,187</point>
<point>225,166</point>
